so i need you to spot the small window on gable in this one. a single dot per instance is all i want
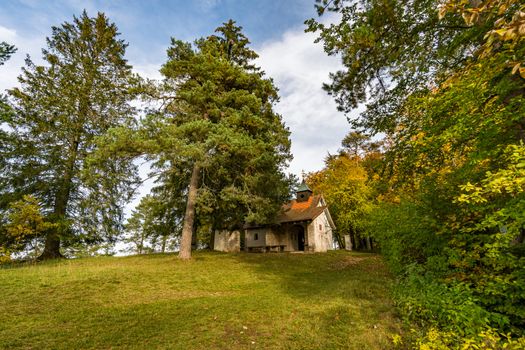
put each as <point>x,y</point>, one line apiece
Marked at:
<point>302,195</point>
<point>320,227</point>
<point>256,237</point>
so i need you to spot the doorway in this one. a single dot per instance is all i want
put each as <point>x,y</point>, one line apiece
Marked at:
<point>299,232</point>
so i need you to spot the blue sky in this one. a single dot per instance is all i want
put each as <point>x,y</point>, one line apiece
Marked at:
<point>148,25</point>
<point>275,28</point>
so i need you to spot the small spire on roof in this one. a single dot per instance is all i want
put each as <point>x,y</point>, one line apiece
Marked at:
<point>303,187</point>
<point>303,192</point>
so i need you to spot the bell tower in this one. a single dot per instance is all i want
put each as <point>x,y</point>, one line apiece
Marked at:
<point>303,192</point>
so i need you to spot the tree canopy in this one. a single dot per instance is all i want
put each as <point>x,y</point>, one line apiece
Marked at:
<point>442,80</point>
<point>391,49</point>
<point>217,141</point>
<point>61,108</point>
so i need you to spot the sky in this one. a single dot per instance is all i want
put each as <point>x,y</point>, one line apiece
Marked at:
<point>275,28</point>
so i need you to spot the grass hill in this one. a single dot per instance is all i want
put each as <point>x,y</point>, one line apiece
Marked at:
<point>215,301</point>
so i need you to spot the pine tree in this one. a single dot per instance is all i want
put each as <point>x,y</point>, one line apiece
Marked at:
<point>218,122</point>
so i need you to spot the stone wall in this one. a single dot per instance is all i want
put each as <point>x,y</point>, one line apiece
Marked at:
<point>227,241</point>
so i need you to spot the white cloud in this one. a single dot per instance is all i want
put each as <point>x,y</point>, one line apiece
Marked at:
<point>299,67</point>
<point>7,34</point>
<point>25,46</point>
<point>148,70</point>
<point>207,5</point>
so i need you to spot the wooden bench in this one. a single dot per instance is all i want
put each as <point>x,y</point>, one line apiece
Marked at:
<point>267,248</point>
<point>275,248</point>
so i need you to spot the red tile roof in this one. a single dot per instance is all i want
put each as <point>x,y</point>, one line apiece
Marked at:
<point>301,211</point>
<point>295,205</point>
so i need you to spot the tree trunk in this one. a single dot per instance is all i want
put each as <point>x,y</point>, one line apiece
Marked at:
<point>51,248</point>
<point>189,216</point>
<point>52,245</point>
<point>355,241</point>
<point>141,244</point>
<point>194,239</point>
<point>164,240</point>
<point>212,239</point>
<point>339,239</point>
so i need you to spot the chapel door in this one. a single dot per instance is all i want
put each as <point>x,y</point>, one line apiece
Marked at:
<point>300,238</point>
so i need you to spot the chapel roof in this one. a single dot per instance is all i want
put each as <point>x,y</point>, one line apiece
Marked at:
<point>301,211</point>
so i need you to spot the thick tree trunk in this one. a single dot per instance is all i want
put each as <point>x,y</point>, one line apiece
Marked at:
<point>355,242</point>
<point>52,244</point>
<point>189,216</point>
<point>194,239</point>
<point>141,244</point>
<point>51,248</point>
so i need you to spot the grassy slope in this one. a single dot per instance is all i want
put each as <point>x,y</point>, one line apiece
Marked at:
<point>216,301</point>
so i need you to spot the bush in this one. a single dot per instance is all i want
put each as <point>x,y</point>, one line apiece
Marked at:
<point>24,226</point>
<point>425,301</point>
<point>405,234</point>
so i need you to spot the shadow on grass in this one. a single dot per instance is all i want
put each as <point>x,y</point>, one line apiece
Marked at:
<point>344,292</point>
<point>323,275</point>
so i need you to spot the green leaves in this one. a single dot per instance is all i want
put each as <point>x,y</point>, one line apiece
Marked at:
<point>344,184</point>
<point>389,50</point>
<point>441,79</point>
<point>500,195</point>
<point>25,225</point>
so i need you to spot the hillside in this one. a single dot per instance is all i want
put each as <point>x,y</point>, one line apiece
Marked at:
<point>215,301</point>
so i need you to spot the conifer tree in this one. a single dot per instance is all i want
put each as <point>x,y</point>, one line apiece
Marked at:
<point>218,122</point>
<point>82,91</point>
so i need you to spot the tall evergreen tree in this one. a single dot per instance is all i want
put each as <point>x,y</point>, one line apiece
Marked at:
<point>218,122</point>
<point>6,146</point>
<point>61,109</point>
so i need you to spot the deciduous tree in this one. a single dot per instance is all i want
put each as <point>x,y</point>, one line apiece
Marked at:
<point>446,87</point>
<point>390,49</point>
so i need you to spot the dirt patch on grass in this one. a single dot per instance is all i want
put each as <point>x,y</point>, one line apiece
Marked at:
<point>367,263</point>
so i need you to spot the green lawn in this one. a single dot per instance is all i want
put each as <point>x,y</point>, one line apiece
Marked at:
<point>335,300</point>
